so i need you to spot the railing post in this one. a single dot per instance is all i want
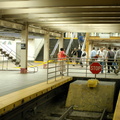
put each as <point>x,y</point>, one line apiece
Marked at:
<point>7,64</point>
<point>55,68</point>
<point>62,67</point>
<point>47,70</point>
<point>86,65</point>
<point>105,68</point>
<point>68,67</point>
<point>3,63</point>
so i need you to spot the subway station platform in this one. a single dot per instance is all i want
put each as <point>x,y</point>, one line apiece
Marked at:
<point>12,80</point>
<point>22,96</point>
<point>20,88</point>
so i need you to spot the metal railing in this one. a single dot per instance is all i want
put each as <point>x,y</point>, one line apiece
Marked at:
<point>31,66</point>
<point>5,62</point>
<point>80,70</point>
<point>10,52</point>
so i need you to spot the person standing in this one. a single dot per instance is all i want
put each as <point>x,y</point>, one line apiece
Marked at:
<point>61,61</point>
<point>117,58</point>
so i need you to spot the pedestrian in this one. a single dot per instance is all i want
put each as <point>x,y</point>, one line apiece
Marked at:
<point>110,59</point>
<point>115,63</point>
<point>117,59</point>
<point>79,60</point>
<point>93,54</point>
<point>74,56</point>
<point>105,51</point>
<point>61,61</point>
<point>101,58</point>
<point>84,57</point>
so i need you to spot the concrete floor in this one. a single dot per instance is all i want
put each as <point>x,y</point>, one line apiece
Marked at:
<point>12,80</point>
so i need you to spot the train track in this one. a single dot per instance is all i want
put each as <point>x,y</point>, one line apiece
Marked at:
<point>51,106</point>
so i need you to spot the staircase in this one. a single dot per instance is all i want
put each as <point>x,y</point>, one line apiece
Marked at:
<point>14,58</point>
<point>9,54</point>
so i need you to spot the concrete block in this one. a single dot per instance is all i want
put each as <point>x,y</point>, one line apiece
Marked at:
<point>91,99</point>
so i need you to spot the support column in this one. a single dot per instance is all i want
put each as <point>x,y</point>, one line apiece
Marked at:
<point>68,34</point>
<point>76,36</point>
<point>24,49</point>
<point>46,47</point>
<point>61,41</point>
<point>87,44</point>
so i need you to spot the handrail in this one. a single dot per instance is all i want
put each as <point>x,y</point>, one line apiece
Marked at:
<point>33,66</point>
<point>73,69</point>
<point>10,51</point>
<point>13,54</point>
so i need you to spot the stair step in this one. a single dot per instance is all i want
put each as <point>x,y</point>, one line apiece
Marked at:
<point>10,57</point>
<point>13,60</point>
<point>17,63</point>
<point>7,55</point>
<point>3,52</point>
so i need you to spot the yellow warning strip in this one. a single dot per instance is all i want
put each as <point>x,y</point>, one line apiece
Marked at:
<point>70,38</point>
<point>117,109</point>
<point>15,99</point>
<point>41,63</point>
<point>38,61</point>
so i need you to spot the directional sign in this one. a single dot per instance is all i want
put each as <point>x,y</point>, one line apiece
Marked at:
<point>95,67</point>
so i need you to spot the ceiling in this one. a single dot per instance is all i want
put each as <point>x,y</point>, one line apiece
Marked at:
<point>64,15</point>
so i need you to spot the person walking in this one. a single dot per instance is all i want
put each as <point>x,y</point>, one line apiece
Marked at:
<point>101,58</point>
<point>115,63</point>
<point>74,56</point>
<point>61,61</point>
<point>79,53</point>
<point>84,57</point>
<point>105,51</point>
<point>110,59</point>
<point>93,54</point>
<point>117,58</point>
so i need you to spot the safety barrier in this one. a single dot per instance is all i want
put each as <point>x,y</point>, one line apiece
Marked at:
<point>81,68</point>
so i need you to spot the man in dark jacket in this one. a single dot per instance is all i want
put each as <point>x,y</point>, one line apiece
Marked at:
<point>110,57</point>
<point>79,53</point>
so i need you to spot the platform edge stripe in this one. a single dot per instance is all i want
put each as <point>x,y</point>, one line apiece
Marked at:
<point>116,115</point>
<point>34,93</point>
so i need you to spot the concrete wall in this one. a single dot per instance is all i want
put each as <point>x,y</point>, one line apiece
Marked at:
<point>91,99</point>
